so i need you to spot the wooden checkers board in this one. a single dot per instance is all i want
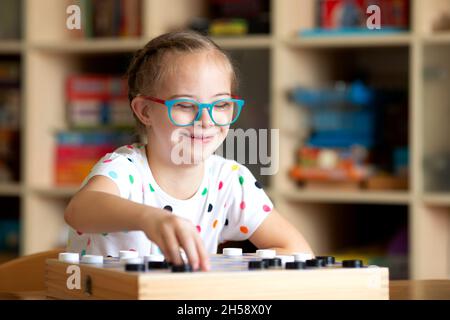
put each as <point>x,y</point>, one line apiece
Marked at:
<point>229,278</point>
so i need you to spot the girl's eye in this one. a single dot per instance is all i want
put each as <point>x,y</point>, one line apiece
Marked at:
<point>224,105</point>
<point>184,105</point>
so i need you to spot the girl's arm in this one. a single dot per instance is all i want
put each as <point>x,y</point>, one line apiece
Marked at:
<point>98,208</point>
<point>277,233</point>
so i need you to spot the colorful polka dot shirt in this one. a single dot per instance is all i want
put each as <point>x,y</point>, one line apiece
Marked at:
<point>229,205</point>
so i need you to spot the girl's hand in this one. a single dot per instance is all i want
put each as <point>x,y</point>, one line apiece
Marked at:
<point>172,233</point>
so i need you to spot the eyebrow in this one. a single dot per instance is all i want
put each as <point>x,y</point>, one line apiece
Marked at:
<point>191,96</point>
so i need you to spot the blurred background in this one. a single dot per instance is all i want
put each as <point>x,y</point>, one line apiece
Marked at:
<point>361,100</point>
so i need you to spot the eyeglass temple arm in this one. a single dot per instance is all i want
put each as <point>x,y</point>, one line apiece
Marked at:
<point>154,99</point>
<point>163,101</point>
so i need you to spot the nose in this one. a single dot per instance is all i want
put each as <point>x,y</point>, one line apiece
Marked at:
<point>205,119</point>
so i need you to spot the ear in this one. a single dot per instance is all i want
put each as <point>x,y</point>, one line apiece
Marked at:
<point>141,109</point>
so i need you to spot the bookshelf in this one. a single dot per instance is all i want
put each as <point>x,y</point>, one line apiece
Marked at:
<point>48,55</point>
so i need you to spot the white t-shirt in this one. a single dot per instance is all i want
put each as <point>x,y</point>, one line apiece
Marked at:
<point>229,205</point>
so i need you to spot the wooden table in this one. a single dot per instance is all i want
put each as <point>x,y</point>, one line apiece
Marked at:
<point>399,290</point>
<point>419,290</point>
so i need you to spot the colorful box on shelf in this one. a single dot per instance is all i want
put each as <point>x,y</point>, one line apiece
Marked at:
<point>77,152</point>
<point>228,27</point>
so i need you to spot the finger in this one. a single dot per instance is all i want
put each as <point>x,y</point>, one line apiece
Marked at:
<point>187,241</point>
<point>162,249</point>
<point>172,248</point>
<point>203,255</point>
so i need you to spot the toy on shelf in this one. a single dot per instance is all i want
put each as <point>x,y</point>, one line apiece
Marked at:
<point>346,130</point>
<point>349,17</point>
<point>336,167</point>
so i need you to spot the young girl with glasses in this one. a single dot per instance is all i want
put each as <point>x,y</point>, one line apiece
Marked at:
<point>150,199</point>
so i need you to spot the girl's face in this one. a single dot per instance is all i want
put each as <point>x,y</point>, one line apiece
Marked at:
<point>200,76</point>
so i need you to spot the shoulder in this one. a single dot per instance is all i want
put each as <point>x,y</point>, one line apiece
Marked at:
<point>125,156</point>
<point>123,161</point>
<point>129,152</point>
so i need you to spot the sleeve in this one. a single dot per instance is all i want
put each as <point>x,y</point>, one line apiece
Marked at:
<point>248,205</point>
<point>119,169</point>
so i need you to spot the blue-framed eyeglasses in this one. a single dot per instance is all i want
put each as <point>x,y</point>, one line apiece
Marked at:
<point>184,112</point>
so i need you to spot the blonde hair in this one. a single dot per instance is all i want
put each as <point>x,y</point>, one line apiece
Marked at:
<point>147,66</point>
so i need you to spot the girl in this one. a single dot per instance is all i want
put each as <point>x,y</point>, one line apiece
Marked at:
<point>173,193</point>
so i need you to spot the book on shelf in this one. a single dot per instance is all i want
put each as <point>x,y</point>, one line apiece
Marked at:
<point>100,120</point>
<point>98,101</point>
<point>9,121</point>
<point>108,19</point>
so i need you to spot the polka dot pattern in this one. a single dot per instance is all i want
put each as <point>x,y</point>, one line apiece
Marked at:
<point>112,174</point>
<point>243,229</point>
<point>247,202</point>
